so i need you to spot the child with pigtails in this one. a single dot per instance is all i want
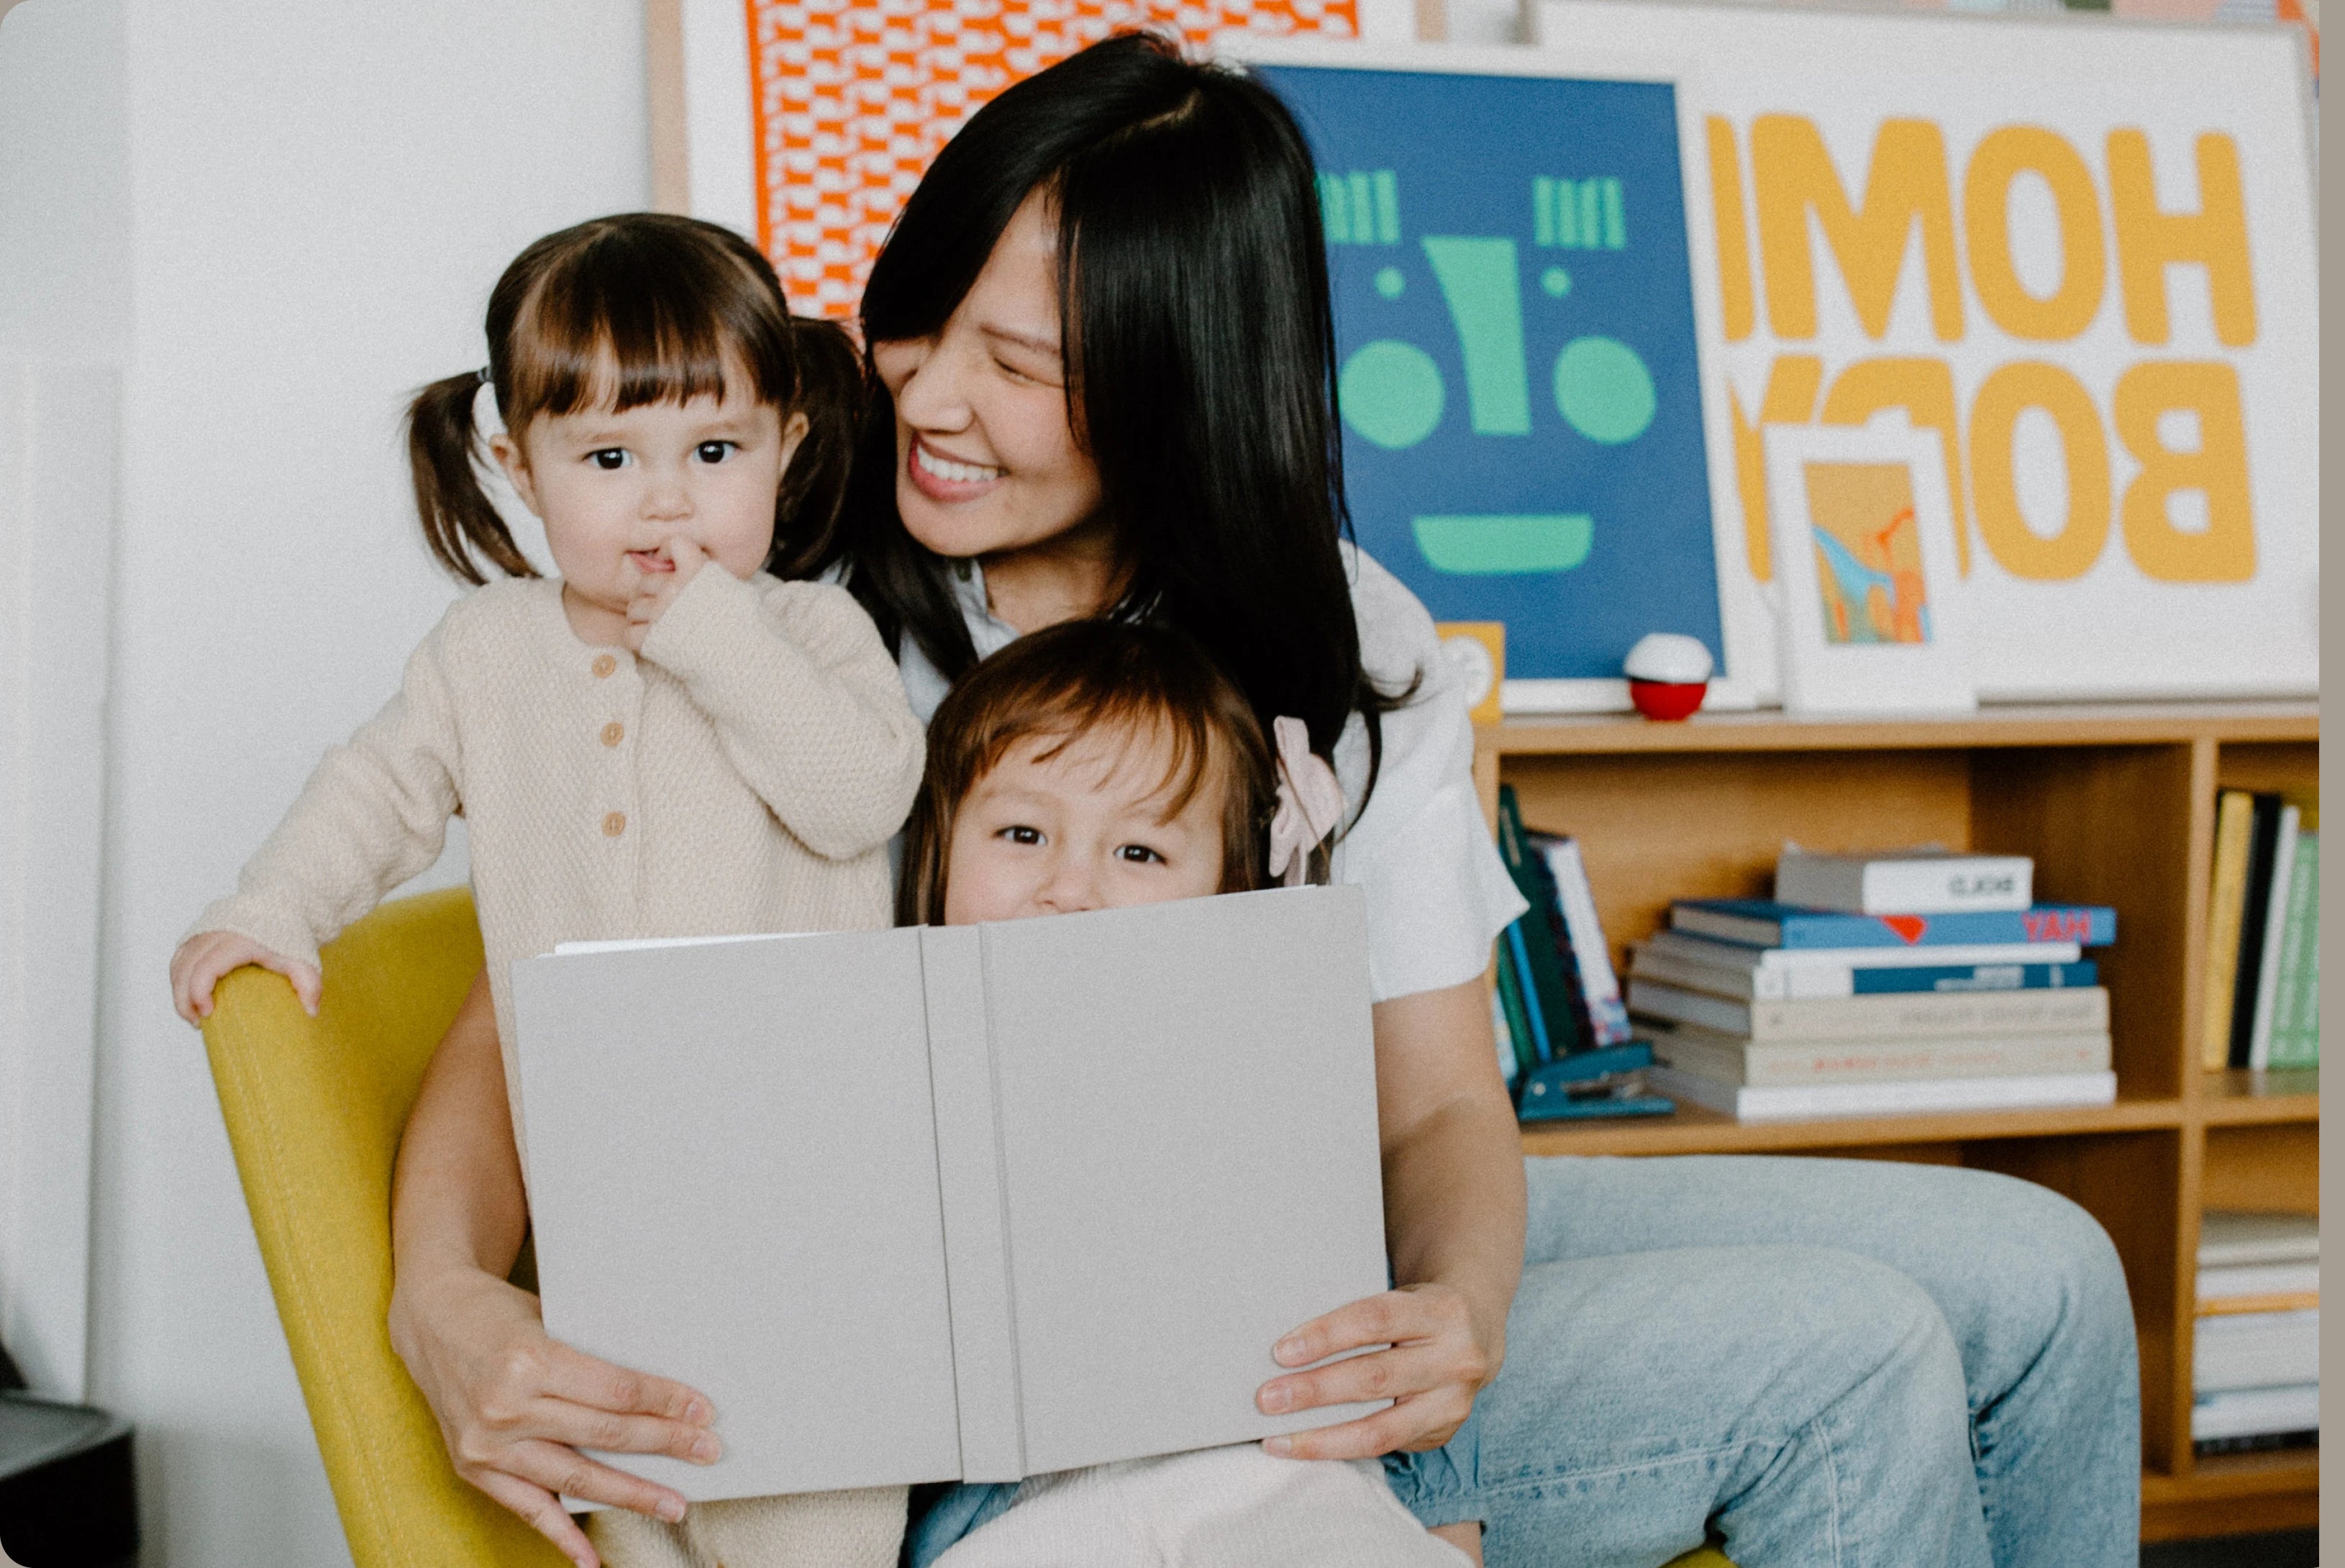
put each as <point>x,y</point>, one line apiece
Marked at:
<point>663,740</point>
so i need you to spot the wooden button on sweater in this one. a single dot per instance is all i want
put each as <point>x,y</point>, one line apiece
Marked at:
<point>613,732</point>
<point>614,825</point>
<point>603,664</point>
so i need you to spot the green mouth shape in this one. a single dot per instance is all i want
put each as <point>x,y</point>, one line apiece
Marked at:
<point>1498,544</point>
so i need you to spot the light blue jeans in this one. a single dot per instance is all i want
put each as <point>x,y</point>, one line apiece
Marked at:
<point>1844,1362</point>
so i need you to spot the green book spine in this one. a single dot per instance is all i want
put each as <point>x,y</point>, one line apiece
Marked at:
<point>2296,1016</point>
<point>1518,1023</point>
<point>1545,987</point>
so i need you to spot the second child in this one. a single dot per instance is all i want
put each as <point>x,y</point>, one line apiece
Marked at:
<point>1095,765</point>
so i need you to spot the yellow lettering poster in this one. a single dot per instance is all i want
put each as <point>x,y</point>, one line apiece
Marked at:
<point>2081,256</point>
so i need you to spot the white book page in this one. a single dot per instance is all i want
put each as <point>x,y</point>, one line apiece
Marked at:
<point>733,1182</point>
<point>1186,1094</point>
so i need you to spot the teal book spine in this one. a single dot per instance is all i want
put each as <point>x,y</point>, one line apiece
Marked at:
<point>1536,939</point>
<point>2296,1012</point>
<point>1518,1023</point>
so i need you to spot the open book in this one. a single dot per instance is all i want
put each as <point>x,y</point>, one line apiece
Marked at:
<point>959,1202</point>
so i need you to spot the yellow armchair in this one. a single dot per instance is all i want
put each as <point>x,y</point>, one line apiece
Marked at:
<point>314,1108</point>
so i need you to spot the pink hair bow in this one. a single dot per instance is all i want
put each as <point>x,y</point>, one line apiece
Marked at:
<point>1310,803</point>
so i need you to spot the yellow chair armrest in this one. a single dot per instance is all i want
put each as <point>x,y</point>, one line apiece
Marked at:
<point>314,1108</point>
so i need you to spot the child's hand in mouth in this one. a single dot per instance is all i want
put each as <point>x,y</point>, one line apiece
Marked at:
<point>664,572</point>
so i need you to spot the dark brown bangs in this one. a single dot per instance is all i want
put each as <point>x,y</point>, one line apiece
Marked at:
<point>1137,716</point>
<point>656,309</point>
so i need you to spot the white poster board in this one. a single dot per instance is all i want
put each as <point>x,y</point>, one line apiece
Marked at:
<point>2082,252</point>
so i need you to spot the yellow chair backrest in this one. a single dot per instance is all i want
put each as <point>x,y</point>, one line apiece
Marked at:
<point>314,1109</point>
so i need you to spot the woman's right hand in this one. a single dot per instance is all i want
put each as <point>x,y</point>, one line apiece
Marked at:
<point>515,1405</point>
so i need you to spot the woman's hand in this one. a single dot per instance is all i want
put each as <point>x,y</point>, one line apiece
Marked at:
<point>1453,1179</point>
<point>515,1406</point>
<point>1434,1366</point>
<point>202,959</point>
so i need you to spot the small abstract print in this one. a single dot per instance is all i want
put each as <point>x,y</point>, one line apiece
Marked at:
<point>1868,553</point>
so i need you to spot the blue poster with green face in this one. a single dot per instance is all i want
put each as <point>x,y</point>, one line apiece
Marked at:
<point>1519,383</point>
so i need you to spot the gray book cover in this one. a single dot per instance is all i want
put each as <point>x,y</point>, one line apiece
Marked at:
<point>971,1202</point>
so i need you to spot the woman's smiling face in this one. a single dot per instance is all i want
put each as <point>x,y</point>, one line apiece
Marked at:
<point>985,459</point>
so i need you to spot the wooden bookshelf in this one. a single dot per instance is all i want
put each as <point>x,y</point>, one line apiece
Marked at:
<point>2117,805</point>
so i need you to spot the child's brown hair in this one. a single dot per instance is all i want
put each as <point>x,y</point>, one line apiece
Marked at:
<point>659,303</point>
<point>1070,680</point>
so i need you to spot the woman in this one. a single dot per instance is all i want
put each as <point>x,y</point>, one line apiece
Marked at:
<point>1106,363</point>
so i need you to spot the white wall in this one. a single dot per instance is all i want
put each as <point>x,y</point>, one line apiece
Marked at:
<point>65,253</point>
<point>321,194</point>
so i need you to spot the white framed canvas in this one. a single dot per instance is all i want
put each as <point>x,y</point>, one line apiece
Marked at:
<point>1871,598</point>
<point>1532,226</point>
<point>2082,253</point>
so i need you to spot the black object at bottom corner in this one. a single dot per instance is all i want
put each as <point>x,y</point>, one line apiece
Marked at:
<point>66,1495</point>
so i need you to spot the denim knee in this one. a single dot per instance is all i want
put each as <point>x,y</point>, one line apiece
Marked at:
<point>1441,1485</point>
<point>2076,1278</point>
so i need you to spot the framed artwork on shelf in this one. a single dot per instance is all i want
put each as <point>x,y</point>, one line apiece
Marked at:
<point>1520,367</point>
<point>2101,299</point>
<point>1864,570</point>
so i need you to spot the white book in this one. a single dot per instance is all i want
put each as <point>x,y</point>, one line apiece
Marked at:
<point>2256,1351</point>
<point>1598,986</point>
<point>2231,1281</point>
<point>1898,1015</point>
<point>970,1202</point>
<point>1924,881</point>
<point>1733,1060</point>
<point>2257,1412</point>
<point>2228,1236</point>
<point>2275,921</point>
<point>1797,1101</point>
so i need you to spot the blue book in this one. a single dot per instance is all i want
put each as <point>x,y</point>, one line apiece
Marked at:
<point>1762,922</point>
<point>1975,978</point>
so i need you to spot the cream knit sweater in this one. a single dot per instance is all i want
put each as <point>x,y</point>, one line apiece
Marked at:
<point>744,774</point>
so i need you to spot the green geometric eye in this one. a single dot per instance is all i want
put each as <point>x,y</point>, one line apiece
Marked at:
<point>1391,393</point>
<point>1603,390</point>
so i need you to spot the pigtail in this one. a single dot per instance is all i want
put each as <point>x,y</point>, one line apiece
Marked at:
<point>443,446</point>
<point>831,394</point>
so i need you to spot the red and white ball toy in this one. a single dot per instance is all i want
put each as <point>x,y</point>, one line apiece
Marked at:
<point>1669,674</point>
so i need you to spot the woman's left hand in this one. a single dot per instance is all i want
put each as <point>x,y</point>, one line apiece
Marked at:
<point>1434,1365</point>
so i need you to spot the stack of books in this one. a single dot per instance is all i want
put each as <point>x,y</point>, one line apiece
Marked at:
<point>2257,1373</point>
<point>1877,984</point>
<point>2263,935</point>
<point>1565,1047</point>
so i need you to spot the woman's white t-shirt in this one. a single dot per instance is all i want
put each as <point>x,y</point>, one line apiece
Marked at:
<point>1437,893</point>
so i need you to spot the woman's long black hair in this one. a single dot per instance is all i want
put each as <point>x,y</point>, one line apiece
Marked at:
<point>1200,358</point>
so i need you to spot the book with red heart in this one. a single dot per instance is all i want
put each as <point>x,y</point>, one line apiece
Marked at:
<point>1763,923</point>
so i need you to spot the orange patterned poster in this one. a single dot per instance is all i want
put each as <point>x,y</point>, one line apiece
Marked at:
<point>850,102</point>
